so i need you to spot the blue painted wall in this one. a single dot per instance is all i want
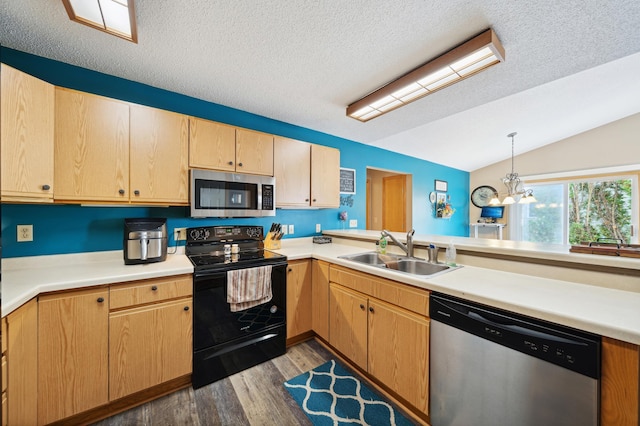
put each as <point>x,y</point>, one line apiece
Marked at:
<point>72,228</point>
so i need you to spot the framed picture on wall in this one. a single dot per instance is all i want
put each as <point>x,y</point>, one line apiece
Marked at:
<point>347,181</point>
<point>441,185</point>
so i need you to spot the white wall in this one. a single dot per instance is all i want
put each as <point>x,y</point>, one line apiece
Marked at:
<point>614,144</point>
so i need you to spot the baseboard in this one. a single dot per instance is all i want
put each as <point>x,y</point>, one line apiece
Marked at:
<point>308,335</point>
<point>127,402</point>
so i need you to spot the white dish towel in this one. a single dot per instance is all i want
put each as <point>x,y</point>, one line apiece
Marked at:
<point>248,287</point>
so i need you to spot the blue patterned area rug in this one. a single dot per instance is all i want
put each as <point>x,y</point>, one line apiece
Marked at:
<point>330,395</point>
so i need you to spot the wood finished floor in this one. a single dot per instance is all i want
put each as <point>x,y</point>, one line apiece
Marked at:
<point>252,397</point>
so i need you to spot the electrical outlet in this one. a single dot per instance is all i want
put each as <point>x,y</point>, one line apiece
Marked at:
<point>285,229</point>
<point>318,227</point>
<point>179,234</point>
<point>25,233</point>
<point>291,229</point>
<point>353,223</point>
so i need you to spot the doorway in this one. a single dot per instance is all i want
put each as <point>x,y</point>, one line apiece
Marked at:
<point>389,200</point>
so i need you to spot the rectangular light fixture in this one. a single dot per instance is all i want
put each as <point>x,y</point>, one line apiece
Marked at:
<point>469,58</point>
<point>115,17</point>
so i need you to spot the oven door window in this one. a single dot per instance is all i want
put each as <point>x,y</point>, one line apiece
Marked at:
<point>221,195</point>
<point>215,324</point>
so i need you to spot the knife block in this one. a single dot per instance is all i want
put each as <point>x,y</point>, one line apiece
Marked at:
<point>270,244</point>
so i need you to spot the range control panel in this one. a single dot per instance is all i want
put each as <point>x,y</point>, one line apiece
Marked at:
<point>224,233</point>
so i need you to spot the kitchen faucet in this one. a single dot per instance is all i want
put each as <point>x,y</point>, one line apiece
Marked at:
<point>408,248</point>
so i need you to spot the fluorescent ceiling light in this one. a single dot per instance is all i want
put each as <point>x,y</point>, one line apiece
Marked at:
<point>115,17</point>
<point>465,60</point>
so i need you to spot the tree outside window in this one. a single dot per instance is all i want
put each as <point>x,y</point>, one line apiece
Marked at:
<point>576,212</point>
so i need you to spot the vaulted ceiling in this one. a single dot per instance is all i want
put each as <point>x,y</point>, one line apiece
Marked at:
<point>570,66</point>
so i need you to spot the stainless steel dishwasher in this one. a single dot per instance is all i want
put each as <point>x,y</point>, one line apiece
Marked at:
<point>492,367</point>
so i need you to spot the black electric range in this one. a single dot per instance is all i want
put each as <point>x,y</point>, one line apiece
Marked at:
<point>225,341</point>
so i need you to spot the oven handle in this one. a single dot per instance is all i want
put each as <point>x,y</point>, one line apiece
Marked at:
<point>240,345</point>
<point>208,274</point>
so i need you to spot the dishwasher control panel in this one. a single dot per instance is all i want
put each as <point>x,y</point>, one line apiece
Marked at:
<point>564,346</point>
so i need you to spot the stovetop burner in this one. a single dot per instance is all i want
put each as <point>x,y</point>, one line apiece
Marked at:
<point>205,248</point>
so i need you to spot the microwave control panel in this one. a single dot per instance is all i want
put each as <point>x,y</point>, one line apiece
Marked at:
<point>267,197</point>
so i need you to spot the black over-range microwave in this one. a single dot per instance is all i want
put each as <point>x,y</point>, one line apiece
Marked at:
<point>219,194</point>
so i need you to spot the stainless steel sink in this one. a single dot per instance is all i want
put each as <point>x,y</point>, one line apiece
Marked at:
<point>407,265</point>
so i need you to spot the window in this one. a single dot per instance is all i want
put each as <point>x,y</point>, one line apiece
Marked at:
<point>579,210</point>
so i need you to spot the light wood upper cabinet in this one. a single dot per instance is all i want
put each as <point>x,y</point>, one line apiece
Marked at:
<point>325,176</point>
<point>292,169</point>
<point>212,145</point>
<point>158,146</point>
<point>91,147</point>
<point>320,298</point>
<point>306,174</point>
<point>218,146</point>
<point>26,137</point>
<point>298,297</point>
<point>254,152</point>
<point>22,365</point>
<point>73,354</point>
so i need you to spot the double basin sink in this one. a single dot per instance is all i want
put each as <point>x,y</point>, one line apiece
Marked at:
<point>408,265</point>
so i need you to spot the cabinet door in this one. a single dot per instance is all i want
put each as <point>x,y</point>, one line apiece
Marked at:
<point>348,323</point>
<point>298,298</point>
<point>26,136</point>
<point>320,298</point>
<point>91,148</point>
<point>292,169</point>
<point>148,346</point>
<point>399,351</point>
<point>72,353</point>
<point>212,145</point>
<point>325,176</point>
<point>254,152</point>
<point>22,365</point>
<point>159,146</point>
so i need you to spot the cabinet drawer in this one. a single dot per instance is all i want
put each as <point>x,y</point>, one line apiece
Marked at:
<point>150,291</point>
<point>404,295</point>
<point>354,280</point>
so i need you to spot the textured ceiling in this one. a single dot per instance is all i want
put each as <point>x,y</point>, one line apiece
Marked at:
<point>570,65</point>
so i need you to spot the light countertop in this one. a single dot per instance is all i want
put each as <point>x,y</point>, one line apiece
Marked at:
<point>502,248</point>
<point>608,312</point>
<point>25,277</point>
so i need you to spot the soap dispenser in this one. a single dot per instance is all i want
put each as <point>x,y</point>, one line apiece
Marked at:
<point>450,254</point>
<point>383,244</point>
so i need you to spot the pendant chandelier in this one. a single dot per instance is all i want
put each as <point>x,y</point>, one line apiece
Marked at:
<point>515,189</point>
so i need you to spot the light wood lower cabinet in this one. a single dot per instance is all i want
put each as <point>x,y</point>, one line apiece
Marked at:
<point>398,346</point>
<point>21,407</point>
<point>148,346</point>
<point>150,333</point>
<point>320,298</point>
<point>388,340</point>
<point>298,297</point>
<point>348,328</point>
<point>72,353</point>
